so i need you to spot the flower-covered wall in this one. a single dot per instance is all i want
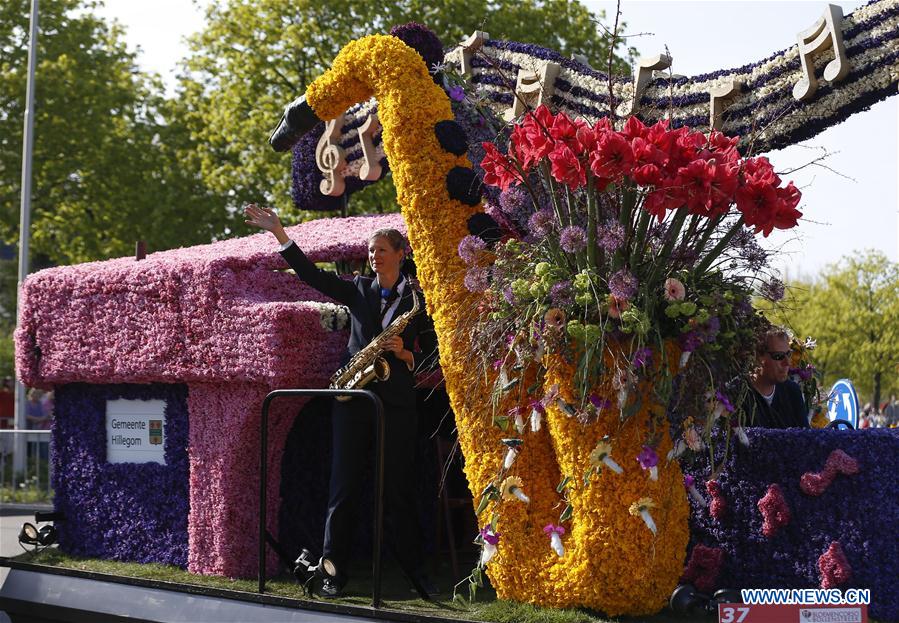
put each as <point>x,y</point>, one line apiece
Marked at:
<point>225,323</point>
<point>121,511</point>
<point>801,509</point>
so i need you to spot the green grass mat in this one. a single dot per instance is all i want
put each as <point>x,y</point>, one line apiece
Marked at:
<point>396,594</point>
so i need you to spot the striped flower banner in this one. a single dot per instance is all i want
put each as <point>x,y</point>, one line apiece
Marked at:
<point>839,66</point>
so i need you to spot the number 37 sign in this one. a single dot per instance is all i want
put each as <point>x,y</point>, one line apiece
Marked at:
<point>791,613</point>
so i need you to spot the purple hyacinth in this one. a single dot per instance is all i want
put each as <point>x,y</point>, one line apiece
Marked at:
<point>470,247</point>
<point>423,40</point>
<point>457,93</point>
<point>610,236</point>
<point>573,239</point>
<point>541,223</point>
<point>623,285</point>
<point>477,279</point>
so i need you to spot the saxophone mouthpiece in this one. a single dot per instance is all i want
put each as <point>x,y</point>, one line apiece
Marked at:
<point>297,120</point>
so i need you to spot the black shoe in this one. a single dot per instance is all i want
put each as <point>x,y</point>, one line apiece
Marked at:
<point>426,584</point>
<point>331,588</point>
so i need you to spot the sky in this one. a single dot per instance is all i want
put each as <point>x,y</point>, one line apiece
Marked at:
<point>849,206</point>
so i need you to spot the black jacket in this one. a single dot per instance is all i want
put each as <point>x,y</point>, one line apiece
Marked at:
<point>787,409</point>
<point>362,297</point>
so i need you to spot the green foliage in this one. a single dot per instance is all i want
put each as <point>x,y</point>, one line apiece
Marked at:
<point>109,168</point>
<point>851,310</point>
<point>254,58</point>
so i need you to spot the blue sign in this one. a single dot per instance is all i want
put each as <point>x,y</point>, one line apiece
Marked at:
<point>842,404</point>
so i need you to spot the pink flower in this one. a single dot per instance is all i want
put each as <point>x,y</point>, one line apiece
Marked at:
<point>693,439</point>
<point>617,306</point>
<point>718,506</point>
<point>674,290</point>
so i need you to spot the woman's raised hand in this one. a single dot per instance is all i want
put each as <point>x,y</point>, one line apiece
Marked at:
<point>262,217</point>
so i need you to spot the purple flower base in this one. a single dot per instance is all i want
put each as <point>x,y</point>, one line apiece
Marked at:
<point>122,511</point>
<point>860,512</point>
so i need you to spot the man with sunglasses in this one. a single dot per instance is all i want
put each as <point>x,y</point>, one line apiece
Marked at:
<point>775,401</point>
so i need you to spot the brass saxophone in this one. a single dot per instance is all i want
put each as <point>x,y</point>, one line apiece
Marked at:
<point>368,364</point>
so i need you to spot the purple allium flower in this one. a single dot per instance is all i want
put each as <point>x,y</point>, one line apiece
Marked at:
<point>470,247</point>
<point>477,279</point>
<point>560,294</point>
<point>515,203</point>
<point>754,256</point>
<point>773,290</point>
<point>573,239</point>
<point>541,223</point>
<point>648,458</point>
<point>642,357</point>
<point>457,93</point>
<point>509,295</point>
<point>623,285</point>
<point>610,236</point>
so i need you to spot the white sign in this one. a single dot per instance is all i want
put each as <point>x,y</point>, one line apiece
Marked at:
<point>135,431</point>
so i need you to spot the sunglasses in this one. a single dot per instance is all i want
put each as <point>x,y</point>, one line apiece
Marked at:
<point>778,355</point>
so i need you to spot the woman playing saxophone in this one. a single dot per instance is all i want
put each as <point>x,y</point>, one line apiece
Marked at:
<point>373,303</point>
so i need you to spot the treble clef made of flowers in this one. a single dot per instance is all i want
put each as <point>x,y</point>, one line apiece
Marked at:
<point>612,562</point>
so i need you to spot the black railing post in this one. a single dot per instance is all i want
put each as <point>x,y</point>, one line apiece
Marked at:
<point>379,477</point>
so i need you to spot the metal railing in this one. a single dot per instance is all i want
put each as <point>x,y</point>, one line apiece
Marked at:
<point>25,479</point>
<point>378,520</point>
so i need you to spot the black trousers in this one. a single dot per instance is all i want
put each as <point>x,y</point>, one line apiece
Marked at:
<point>353,432</point>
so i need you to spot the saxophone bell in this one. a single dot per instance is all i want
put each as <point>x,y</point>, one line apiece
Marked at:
<point>378,370</point>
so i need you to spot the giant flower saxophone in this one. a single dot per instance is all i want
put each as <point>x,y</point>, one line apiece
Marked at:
<point>608,563</point>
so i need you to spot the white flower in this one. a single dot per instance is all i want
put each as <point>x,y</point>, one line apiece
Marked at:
<point>536,419</point>
<point>488,551</point>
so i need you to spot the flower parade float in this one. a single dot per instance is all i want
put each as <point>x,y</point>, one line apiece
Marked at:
<point>609,278</point>
<point>592,313</point>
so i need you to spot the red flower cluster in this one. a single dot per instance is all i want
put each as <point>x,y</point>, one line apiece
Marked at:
<point>678,169</point>
<point>834,567</point>
<point>838,462</point>
<point>718,505</point>
<point>775,511</point>
<point>703,567</point>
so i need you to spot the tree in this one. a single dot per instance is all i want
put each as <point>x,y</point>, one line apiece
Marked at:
<point>109,165</point>
<point>852,311</point>
<point>255,57</point>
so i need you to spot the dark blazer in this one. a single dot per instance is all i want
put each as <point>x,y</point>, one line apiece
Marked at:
<point>787,409</point>
<point>362,297</point>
